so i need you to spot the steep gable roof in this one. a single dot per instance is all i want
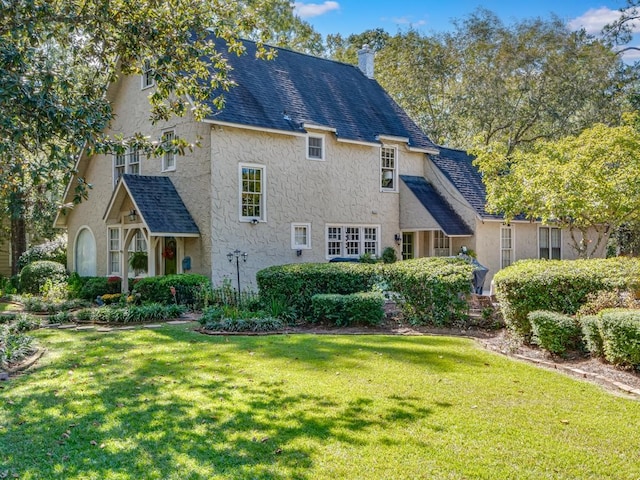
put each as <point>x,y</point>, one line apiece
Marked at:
<point>296,89</point>
<point>457,166</point>
<point>450,222</point>
<point>158,203</point>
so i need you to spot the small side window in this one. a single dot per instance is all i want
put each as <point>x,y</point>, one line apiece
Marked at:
<point>315,147</point>
<point>300,236</point>
<point>169,158</point>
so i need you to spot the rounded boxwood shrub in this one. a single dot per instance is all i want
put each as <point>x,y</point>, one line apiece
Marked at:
<point>55,251</point>
<point>558,286</point>
<point>555,332</point>
<point>88,288</point>
<point>34,275</point>
<point>620,331</point>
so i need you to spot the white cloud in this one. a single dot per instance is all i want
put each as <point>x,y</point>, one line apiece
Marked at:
<point>594,19</point>
<point>308,10</point>
<point>408,21</point>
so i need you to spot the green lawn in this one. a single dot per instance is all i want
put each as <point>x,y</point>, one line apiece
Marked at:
<point>173,404</point>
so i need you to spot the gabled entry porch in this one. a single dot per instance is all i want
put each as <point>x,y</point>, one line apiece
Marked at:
<point>146,213</point>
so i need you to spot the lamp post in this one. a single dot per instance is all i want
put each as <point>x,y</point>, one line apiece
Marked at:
<point>237,254</point>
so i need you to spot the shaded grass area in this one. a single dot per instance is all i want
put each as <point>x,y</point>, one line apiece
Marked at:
<point>9,307</point>
<point>172,404</point>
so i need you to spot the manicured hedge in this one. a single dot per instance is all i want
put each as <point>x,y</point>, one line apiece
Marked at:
<point>342,310</point>
<point>555,332</point>
<point>189,288</point>
<point>431,290</point>
<point>300,282</point>
<point>34,275</point>
<point>620,330</point>
<point>590,325</point>
<point>558,286</point>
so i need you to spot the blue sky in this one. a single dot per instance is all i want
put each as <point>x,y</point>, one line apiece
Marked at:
<point>355,16</point>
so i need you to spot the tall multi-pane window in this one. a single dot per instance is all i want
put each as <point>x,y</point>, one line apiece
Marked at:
<point>334,241</point>
<point>147,75</point>
<point>168,158</point>
<point>550,243</point>
<point>133,166</point>
<point>388,168</point>
<point>119,166</point>
<point>352,241</point>
<point>315,147</point>
<point>114,251</point>
<point>408,247</point>
<point>506,246</point>
<point>370,240</point>
<point>252,192</point>
<point>441,244</point>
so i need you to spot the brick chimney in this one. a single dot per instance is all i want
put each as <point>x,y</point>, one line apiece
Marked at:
<point>365,60</point>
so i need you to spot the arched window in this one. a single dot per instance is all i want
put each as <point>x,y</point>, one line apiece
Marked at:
<point>85,253</point>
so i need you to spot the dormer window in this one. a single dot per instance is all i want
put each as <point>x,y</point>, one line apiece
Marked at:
<point>147,75</point>
<point>315,147</point>
<point>388,169</point>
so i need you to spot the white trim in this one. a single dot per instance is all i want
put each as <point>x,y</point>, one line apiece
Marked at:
<point>295,246</point>
<point>392,138</point>
<point>322,147</point>
<point>75,247</point>
<point>361,226</point>
<point>513,244</point>
<point>119,251</point>
<point>394,180</point>
<point>146,67</point>
<point>164,155</point>
<point>358,142</point>
<point>263,193</point>
<point>252,127</point>
<point>313,126</point>
<point>429,151</point>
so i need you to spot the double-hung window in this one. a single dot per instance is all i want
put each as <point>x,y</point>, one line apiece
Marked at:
<point>352,240</point>
<point>388,169</point>
<point>252,193</point>
<point>114,251</point>
<point>169,157</point>
<point>506,246</point>
<point>147,75</point>
<point>315,147</point>
<point>550,243</point>
<point>126,162</point>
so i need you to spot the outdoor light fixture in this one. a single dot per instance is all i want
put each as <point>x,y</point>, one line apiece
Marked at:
<point>254,221</point>
<point>398,238</point>
<point>133,216</point>
<point>237,254</point>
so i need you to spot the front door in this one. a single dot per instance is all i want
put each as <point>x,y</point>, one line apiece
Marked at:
<point>169,255</point>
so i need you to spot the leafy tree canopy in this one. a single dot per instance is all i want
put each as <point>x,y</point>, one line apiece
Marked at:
<point>581,182</point>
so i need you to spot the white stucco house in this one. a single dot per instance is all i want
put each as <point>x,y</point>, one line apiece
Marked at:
<point>309,160</point>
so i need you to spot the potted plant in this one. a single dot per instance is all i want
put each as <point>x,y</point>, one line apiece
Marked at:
<point>139,261</point>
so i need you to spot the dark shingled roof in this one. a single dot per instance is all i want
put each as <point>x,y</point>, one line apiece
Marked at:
<point>160,205</point>
<point>448,219</point>
<point>312,90</point>
<point>457,166</point>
